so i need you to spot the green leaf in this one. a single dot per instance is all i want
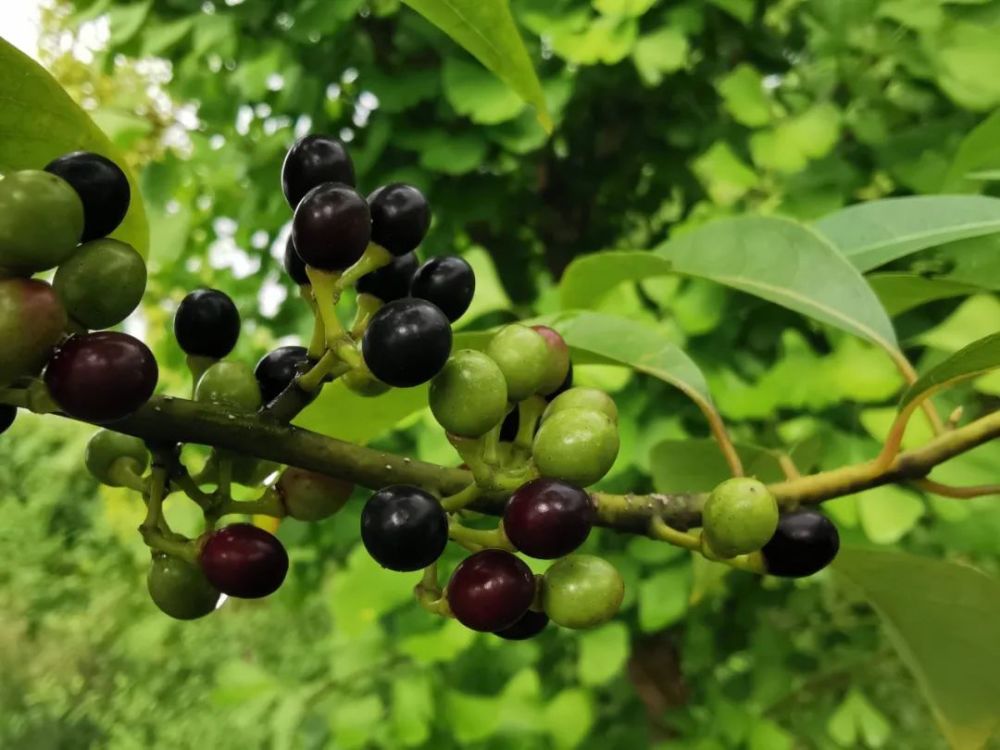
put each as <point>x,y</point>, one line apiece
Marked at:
<point>39,121</point>
<point>658,53</point>
<point>603,653</point>
<point>471,717</point>
<point>590,277</point>
<point>889,513</point>
<point>664,597</point>
<point>900,292</point>
<point>698,466</point>
<point>353,720</point>
<point>975,359</point>
<point>412,709</point>
<point>484,98</point>
<point>569,718</point>
<point>742,91</point>
<point>873,234</point>
<point>341,413</point>
<point>942,619</point>
<point>726,177</point>
<point>486,29</point>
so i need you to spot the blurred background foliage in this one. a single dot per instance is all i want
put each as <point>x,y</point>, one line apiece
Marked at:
<point>668,113</point>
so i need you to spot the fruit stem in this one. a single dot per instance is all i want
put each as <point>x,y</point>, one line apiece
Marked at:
<point>268,504</point>
<point>197,366</point>
<point>529,412</point>
<point>154,499</point>
<point>459,500</point>
<point>476,539</point>
<point>317,343</point>
<point>958,493</point>
<point>373,259</point>
<point>326,294</point>
<point>224,489</point>
<point>368,305</point>
<point>123,472</point>
<point>659,529</point>
<point>490,446</point>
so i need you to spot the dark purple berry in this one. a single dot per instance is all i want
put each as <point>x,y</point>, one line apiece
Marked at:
<point>295,267</point>
<point>7,416</point>
<point>531,624</point>
<point>277,369</point>
<point>407,342</point>
<point>404,528</point>
<point>400,217</point>
<point>448,282</point>
<point>390,282</point>
<point>103,189</point>
<point>244,561</point>
<point>491,590</point>
<point>805,542</point>
<point>207,324</point>
<point>313,160</point>
<point>548,518</point>
<point>332,227</point>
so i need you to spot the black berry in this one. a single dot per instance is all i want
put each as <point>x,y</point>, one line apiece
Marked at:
<point>312,161</point>
<point>103,189</point>
<point>207,324</point>
<point>331,227</point>
<point>531,624</point>
<point>392,281</point>
<point>548,518</point>
<point>400,217</point>
<point>806,542</point>
<point>491,590</point>
<point>404,528</point>
<point>407,342</point>
<point>276,370</point>
<point>295,267</point>
<point>448,282</point>
<point>244,561</point>
<point>7,416</point>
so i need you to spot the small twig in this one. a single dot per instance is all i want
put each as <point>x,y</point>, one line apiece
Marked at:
<point>958,493</point>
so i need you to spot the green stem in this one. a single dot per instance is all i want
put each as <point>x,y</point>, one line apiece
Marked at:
<point>373,259</point>
<point>124,472</point>
<point>368,305</point>
<point>460,500</point>
<point>478,538</point>
<point>197,367</point>
<point>268,504</point>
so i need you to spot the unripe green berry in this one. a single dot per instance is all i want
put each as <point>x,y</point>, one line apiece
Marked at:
<point>41,220</point>
<point>576,446</point>
<point>107,448</point>
<point>523,357</point>
<point>469,396</point>
<point>588,399</point>
<point>582,591</point>
<point>310,496</point>
<point>179,588</point>
<point>739,517</point>
<point>102,283</point>
<point>230,384</point>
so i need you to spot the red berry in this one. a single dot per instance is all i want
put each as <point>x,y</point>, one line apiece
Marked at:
<point>491,590</point>
<point>245,561</point>
<point>548,518</point>
<point>101,377</point>
<point>531,624</point>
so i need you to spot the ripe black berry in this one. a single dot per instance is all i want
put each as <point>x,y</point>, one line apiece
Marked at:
<point>101,377</point>
<point>491,590</point>
<point>276,370</point>
<point>7,416</point>
<point>531,624</point>
<point>312,161</point>
<point>331,227</point>
<point>806,542</point>
<point>400,217</point>
<point>207,324</point>
<point>245,561</point>
<point>392,281</point>
<point>407,342</point>
<point>295,267</point>
<point>548,518</point>
<point>448,282</point>
<point>404,528</point>
<point>103,189</point>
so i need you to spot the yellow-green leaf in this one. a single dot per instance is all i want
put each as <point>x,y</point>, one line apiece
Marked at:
<point>977,358</point>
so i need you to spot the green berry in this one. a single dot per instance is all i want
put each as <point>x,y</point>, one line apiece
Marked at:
<point>469,396</point>
<point>106,449</point>
<point>102,283</point>
<point>230,384</point>
<point>588,399</point>
<point>576,446</point>
<point>523,357</point>
<point>739,517</point>
<point>41,220</point>
<point>32,320</point>
<point>180,589</point>
<point>310,496</point>
<point>582,591</point>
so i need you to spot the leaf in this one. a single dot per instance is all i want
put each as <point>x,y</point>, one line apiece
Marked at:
<point>698,465</point>
<point>603,653</point>
<point>742,91</point>
<point>471,717</point>
<point>889,513</point>
<point>942,619</point>
<point>979,150</point>
<point>873,234</point>
<point>472,91</point>
<point>412,709</point>
<point>569,718</point>
<point>658,53</point>
<point>975,359</point>
<point>590,277</point>
<point>39,121</point>
<point>900,292</point>
<point>342,414</point>
<point>486,29</point>
<point>664,597</point>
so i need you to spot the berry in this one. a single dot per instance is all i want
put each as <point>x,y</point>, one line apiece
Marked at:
<point>313,160</point>
<point>102,186</point>
<point>179,588</point>
<point>404,528</point>
<point>250,471</point>
<point>244,561</point>
<point>229,384</point>
<point>739,517</point>
<point>558,367</point>
<point>588,399</point>
<point>469,396</point>
<point>277,369</point>
<point>392,281</point>
<point>576,445</point>
<point>805,542</point>
<point>547,518</point>
<point>407,342</point>
<point>400,217</point>
<point>531,624</point>
<point>101,377</point>
<point>41,220</point>
<point>491,590</point>
<point>295,267</point>
<point>102,283</point>
<point>310,496</point>
<point>448,282</point>
<point>361,383</point>
<point>566,385</point>
<point>7,416</point>
<point>207,324</point>
<point>32,320</point>
<point>582,591</point>
<point>106,449</point>
<point>332,227</point>
<point>523,357</point>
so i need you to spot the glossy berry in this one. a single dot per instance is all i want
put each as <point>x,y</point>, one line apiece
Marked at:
<point>102,186</point>
<point>277,369</point>
<point>180,589</point>
<point>566,385</point>
<point>295,267</point>
<point>407,342</point>
<point>588,399</point>
<point>531,624</point>
<point>404,528</point>
<point>491,590</point>
<point>207,324</point>
<point>41,220</point>
<point>448,282</point>
<point>582,591</point>
<point>804,543</point>
<point>575,445</point>
<point>739,517</point>
<point>558,366</point>
<point>244,561</point>
<point>311,496</point>
<point>7,416</point>
<point>392,281</point>
<point>106,449</point>
<point>469,396</point>
<point>548,518</point>
<point>332,227</point>
<point>523,357</point>
<point>101,377</point>
<point>32,320</point>
<point>229,384</point>
<point>313,160</point>
<point>102,283</point>
<point>400,217</point>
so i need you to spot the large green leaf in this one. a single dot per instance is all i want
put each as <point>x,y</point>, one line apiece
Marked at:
<point>900,292</point>
<point>979,150</point>
<point>486,29</point>
<point>873,234</point>
<point>39,121</point>
<point>944,620</point>
<point>342,414</point>
<point>975,359</point>
<point>589,277</point>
